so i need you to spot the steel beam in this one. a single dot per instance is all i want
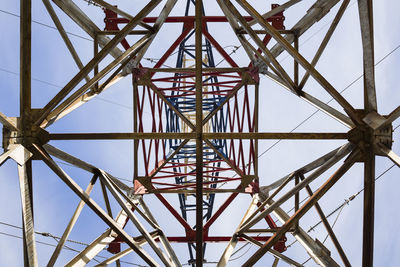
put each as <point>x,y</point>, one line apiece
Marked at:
<point>7,154</point>
<point>140,240</point>
<point>49,113</point>
<point>84,22</point>
<point>99,244</point>
<point>55,152</point>
<point>235,26</point>
<point>327,109</point>
<point>308,205</point>
<point>316,12</point>
<point>94,248</point>
<point>96,59</point>
<point>367,37</point>
<point>71,224</point>
<point>169,104</point>
<point>7,122</point>
<point>120,12</point>
<point>233,92</point>
<point>369,208</point>
<point>64,35</point>
<point>227,135</point>
<point>273,252</point>
<point>314,248</point>
<point>135,220</point>
<point>73,103</point>
<point>120,136</point>
<point>25,183</point>
<point>328,227</point>
<point>394,115</point>
<point>161,235</point>
<point>338,156</point>
<point>157,25</point>
<point>283,136</point>
<point>270,58</point>
<point>25,62</point>
<point>300,59</point>
<point>276,10</point>
<point>93,205</point>
<point>223,261</point>
<point>390,154</point>
<point>199,131</point>
<point>325,41</point>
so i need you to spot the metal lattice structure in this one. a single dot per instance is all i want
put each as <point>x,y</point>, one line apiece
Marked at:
<point>196,130</point>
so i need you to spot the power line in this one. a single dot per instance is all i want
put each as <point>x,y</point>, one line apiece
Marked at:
<point>44,234</point>
<point>66,248</point>
<point>306,119</point>
<point>46,25</point>
<point>327,235</point>
<point>39,242</point>
<point>58,86</point>
<point>341,206</point>
<point>315,112</point>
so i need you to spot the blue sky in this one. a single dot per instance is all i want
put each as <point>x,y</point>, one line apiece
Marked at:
<point>52,67</point>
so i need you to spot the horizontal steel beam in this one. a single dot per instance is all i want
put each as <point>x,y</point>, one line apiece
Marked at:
<point>275,135</point>
<point>139,136</point>
<point>120,136</point>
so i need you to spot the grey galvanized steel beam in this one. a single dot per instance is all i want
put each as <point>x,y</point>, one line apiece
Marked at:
<point>270,58</point>
<point>317,11</point>
<point>55,152</point>
<point>367,38</point>
<point>315,249</point>
<point>199,130</point>
<point>325,41</point>
<point>96,59</point>
<point>64,35</point>
<point>348,163</point>
<point>276,10</point>
<point>301,60</point>
<point>25,183</point>
<point>50,110</point>
<point>25,62</point>
<point>83,21</point>
<point>94,248</point>
<point>390,154</point>
<point>328,227</point>
<point>93,205</point>
<point>369,207</point>
<point>7,122</point>
<point>71,224</point>
<point>226,255</point>
<point>121,12</point>
<point>135,220</point>
<point>345,149</point>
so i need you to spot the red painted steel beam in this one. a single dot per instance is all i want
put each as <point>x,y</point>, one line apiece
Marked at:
<point>180,19</point>
<point>184,239</point>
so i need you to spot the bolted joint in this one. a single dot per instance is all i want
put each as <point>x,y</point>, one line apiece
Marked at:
<point>9,138</point>
<point>365,137</point>
<point>261,65</point>
<point>131,67</point>
<point>360,136</point>
<point>140,76</point>
<point>384,137</point>
<point>28,136</point>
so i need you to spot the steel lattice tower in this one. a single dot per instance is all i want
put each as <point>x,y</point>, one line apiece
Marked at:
<point>196,130</point>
